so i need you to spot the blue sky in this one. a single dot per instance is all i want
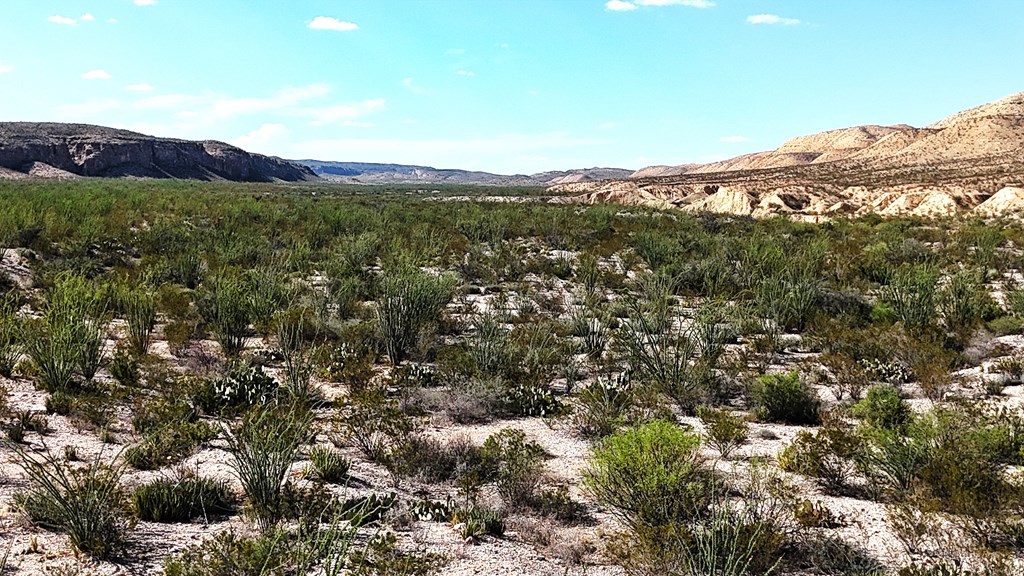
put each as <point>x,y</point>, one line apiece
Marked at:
<point>501,85</point>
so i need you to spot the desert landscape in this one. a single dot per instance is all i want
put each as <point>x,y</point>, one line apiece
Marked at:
<point>355,306</point>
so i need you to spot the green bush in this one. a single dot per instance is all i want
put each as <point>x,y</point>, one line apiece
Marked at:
<point>241,387</point>
<point>827,455</point>
<point>725,431</point>
<point>87,502</point>
<point>138,304</point>
<point>651,476</point>
<point>477,521</point>
<point>181,499</point>
<point>409,299</point>
<point>374,423</point>
<point>604,406</point>
<point>912,296</point>
<point>883,408</point>
<point>328,464</point>
<point>225,308</point>
<point>10,336</point>
<point>517,464</point>
<point>786,398</point>
<point>263,446</point>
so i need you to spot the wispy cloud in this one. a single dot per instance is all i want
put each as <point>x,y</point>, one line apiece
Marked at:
<point>57,19</point>
<point>772,19</point>
<point>411,86</point>
<point>344,114</point>
<point>465,73</point>
<point>6,68</point>
<point>97,75</point>
<point>139,88</point>
<point>329,23</point>
<point>733,139</point>
<point>145,2</point>
<point>87,17</point>
<point>627,5</point>
<point>262,137</point>
<point>619,6</point>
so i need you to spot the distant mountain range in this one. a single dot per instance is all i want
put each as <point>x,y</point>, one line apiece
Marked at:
<point>955,165</point>
<point>51,150</point>
<point>369,173</point>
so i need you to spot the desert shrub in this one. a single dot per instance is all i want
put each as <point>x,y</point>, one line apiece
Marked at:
<point>168,443</point>
<point>381,557</point>
<point>299,360</point>
<point>724,431</point>
<point>809,514</point>
<point>604,406</point>
<point>517,464</point>
<point>787,299</point>
<point>224,306</point>
<point>409,300</point>
<point>962,302</point>
<point>374,423</point>
<point>86,502</point>
<point>883,408</point>
<point>661,350</point>
<point>125,369</point>
<point>592,330</point>
<point>10,336</point>
<point>651,476</point>
<point>478,521</point>
<point>263,446</point>
<point>557,503</point>
<point>267,293</point>
<point>59,402</point>
<point>138,305</point>
<point>891,461</point>
<point>785,398</point>
<point>435,460</point>
<point>328,464</point>
<point>846,377</point>
<point>181,498</point>
<point>912,296</point>
<point>826,455</point>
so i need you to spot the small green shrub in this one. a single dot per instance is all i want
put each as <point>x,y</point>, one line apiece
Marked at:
<point>651,476</point>
<point>328,464</point>
<point>224,306</point>
<point>138,304</point>
<point>518,466</point>
<point>87,502</point>
<point>604,406</point>
<point>374,423</point>
<point>827,455</point>
<point>241,387</point>
<point>477,521</point>
<point>786,398</point>
<point>181,499</point>
<point>125,369</point>
<point>409,300</point>
<point>725,431</point>
<point>883,408</point>
<point>10,336</point>
<point>263,446</point>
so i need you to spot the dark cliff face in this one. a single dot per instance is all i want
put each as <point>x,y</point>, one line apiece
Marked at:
<point>104,152</point>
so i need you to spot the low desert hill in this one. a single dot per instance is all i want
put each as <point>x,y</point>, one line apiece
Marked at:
<point>370,173</point>
<point>74,150</point>
<point>950,167</point>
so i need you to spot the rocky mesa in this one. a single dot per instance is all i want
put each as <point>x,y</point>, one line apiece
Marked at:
<point>970,161</point>
<point>55,150</point>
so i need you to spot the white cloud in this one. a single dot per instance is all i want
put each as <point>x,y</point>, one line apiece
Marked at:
<point>690,3</point>
<point>62,20</point>
<point>411,86</point>
<point>345,114</point>
<point>625,6</point>
<point>97,75</point>
<point>733,139</point>
<point>6,68</point>
<point>466,73</point>
<point>285,98</point>
<point>145,2</point>
<point>455,52</point>
<point>772,19</point>
<point>619,6</point>
<point>260,138</point>
<point>139,88</point>
<point>112,21</point>
<point>87,17</point>
<point>329,23</point>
